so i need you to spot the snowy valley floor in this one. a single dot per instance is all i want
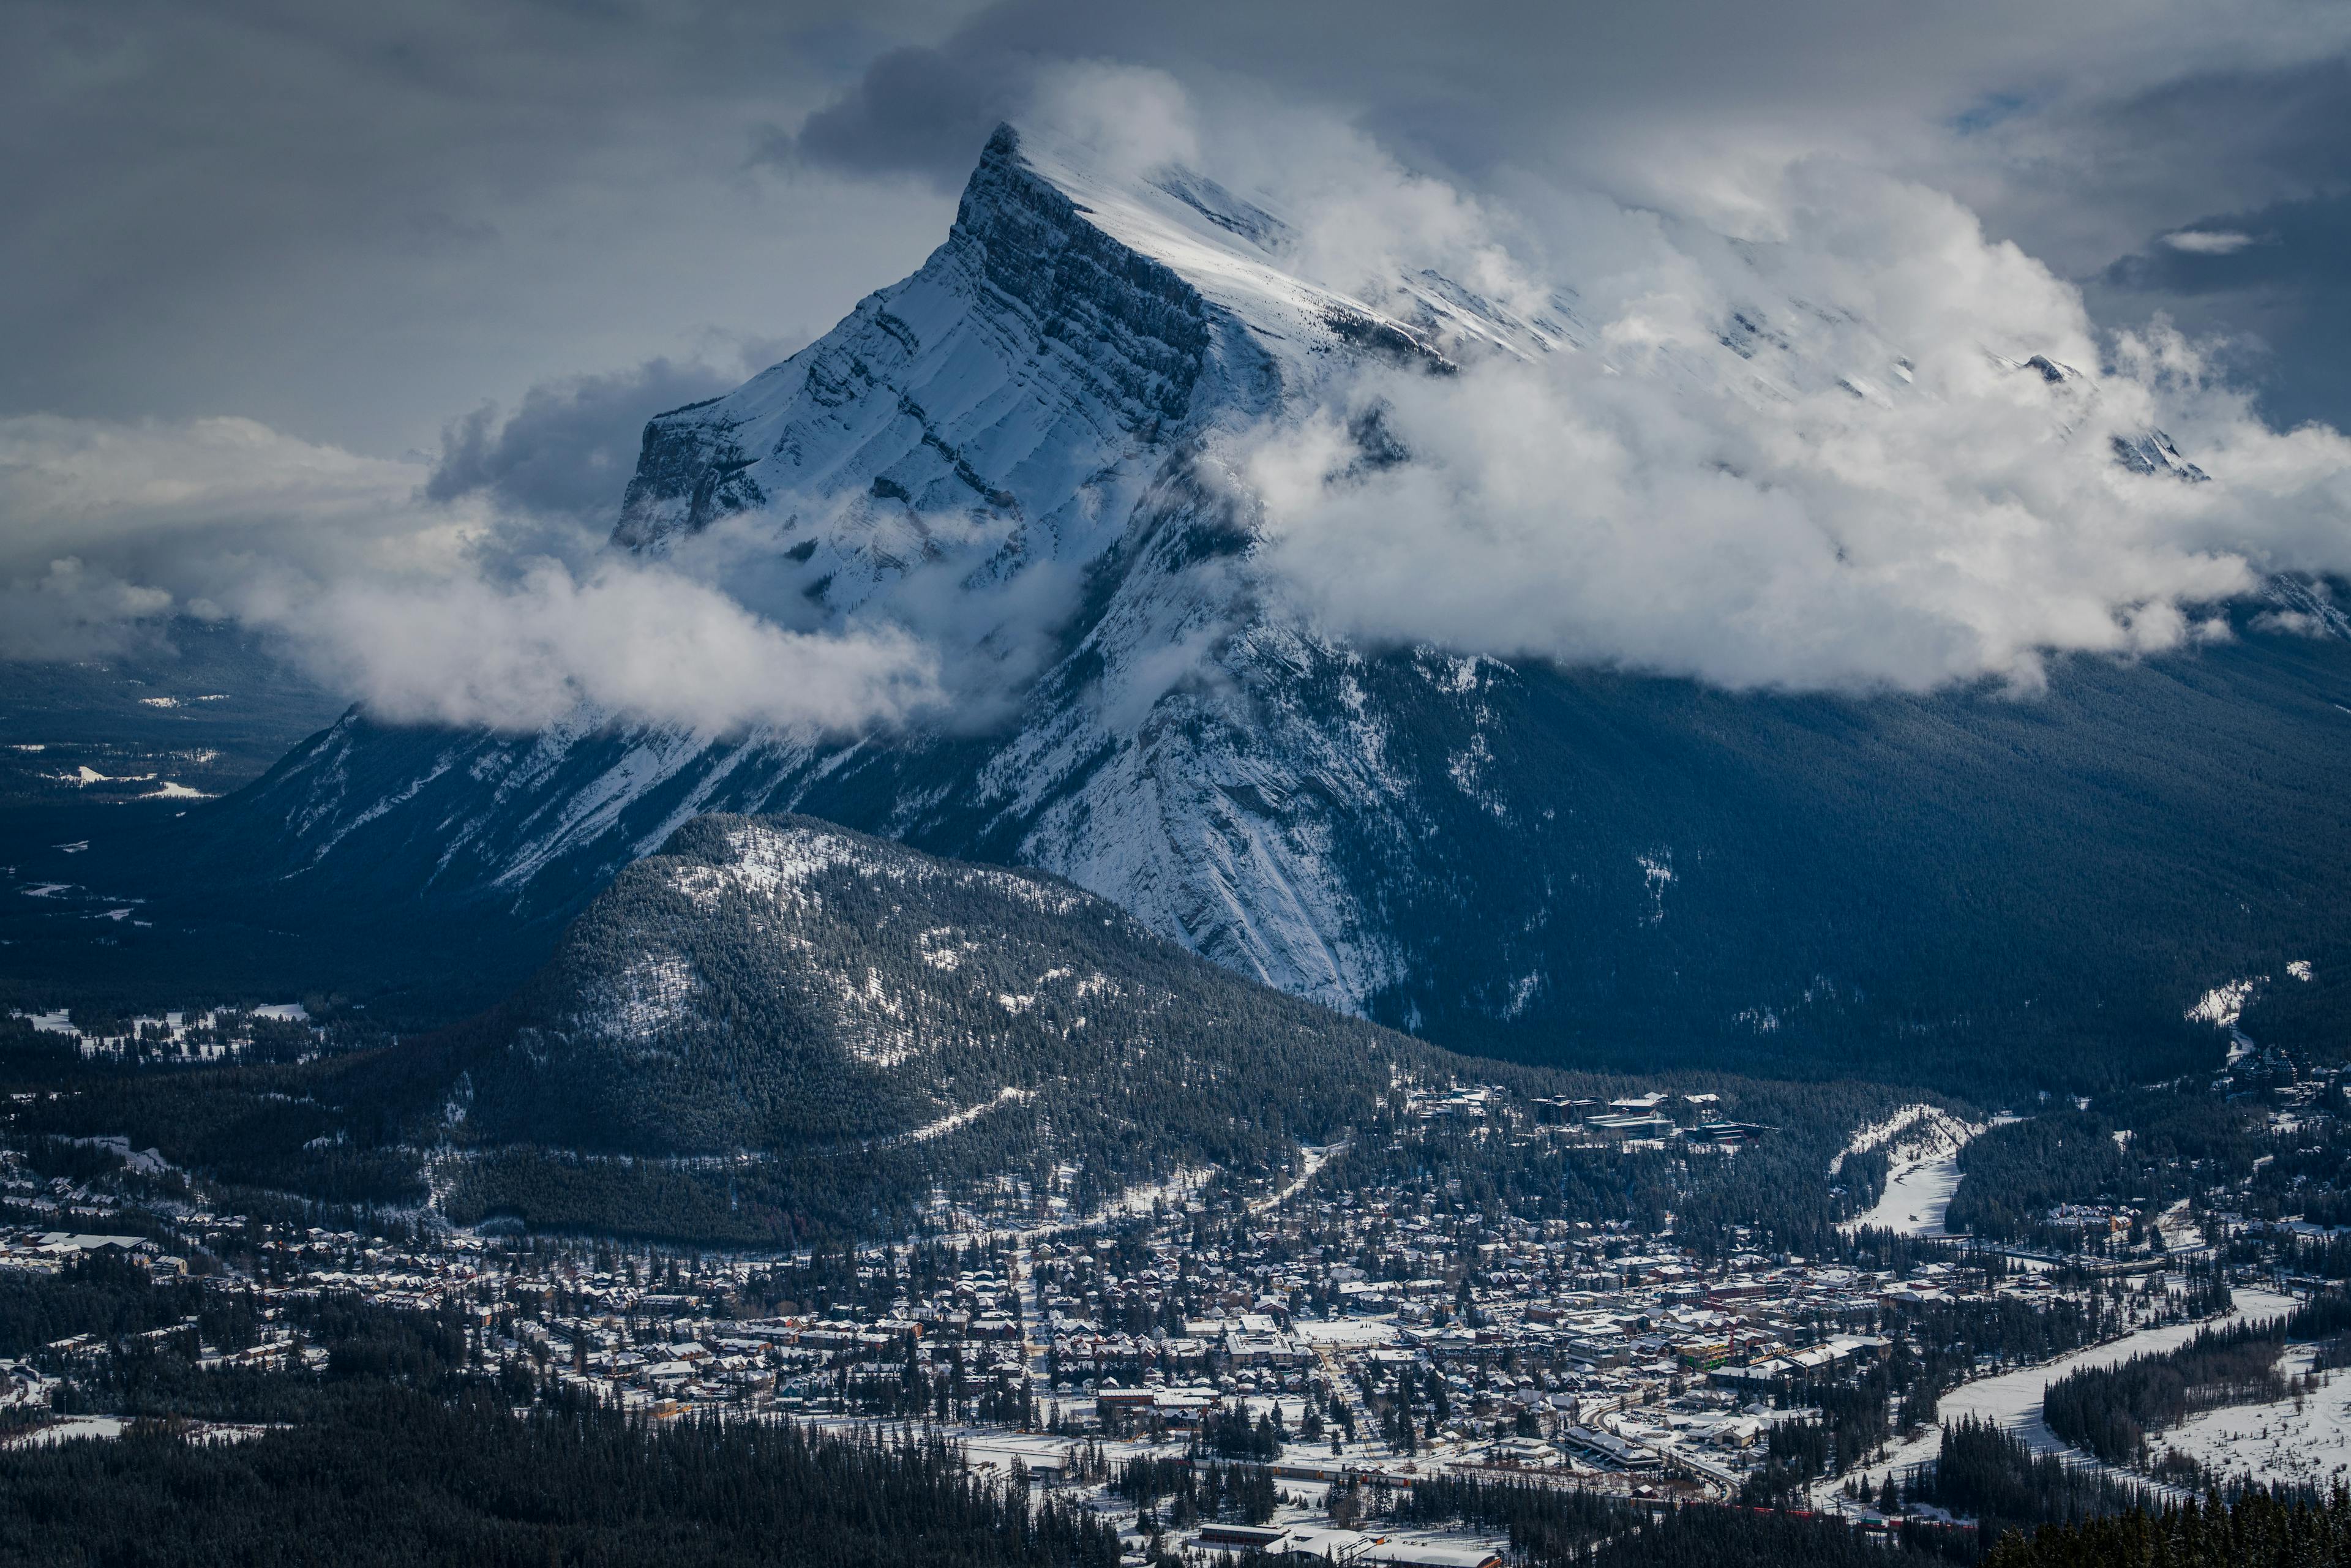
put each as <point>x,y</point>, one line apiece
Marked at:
<point>2011,1400</point>
<point>2304,1440</point>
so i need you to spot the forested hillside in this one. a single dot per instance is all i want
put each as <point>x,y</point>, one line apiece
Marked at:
<point>2256,1531</point>
<point>782,1032</point>
<point>865,1025</point>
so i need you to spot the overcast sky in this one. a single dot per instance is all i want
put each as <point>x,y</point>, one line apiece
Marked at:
<point>305,296</point>
<point>356,224</point>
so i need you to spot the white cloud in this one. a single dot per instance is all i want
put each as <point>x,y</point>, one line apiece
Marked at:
<point>1877,493</point>
<point>1132,117</point>
<point>423,610</point>
<point>2207,242</point>
<point>633,641</point>
<point>70,611</point>
<point>84,484</point>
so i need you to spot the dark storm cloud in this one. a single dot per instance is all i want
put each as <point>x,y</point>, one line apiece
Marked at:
<point>2095,176</point>
<point>2288,244</point>
<point>2243,183</point>
<point>568,448</point>
<point>2289,128</point>
<point>916,111</point>
<point>2272,281</point>
<point>1542,82</point>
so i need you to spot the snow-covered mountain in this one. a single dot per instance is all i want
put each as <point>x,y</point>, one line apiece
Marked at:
<point>1539,860</point>
<point>1033,397</point>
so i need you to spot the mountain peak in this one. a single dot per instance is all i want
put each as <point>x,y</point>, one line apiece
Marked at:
<point>1237,255</point>
<point>1024,378</point>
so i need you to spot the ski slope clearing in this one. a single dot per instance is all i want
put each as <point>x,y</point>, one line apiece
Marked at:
<point>1922,1145</point>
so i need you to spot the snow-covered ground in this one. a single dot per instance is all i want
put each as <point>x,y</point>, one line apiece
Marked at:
<point>1922,1145</point>
<point>2013,1399</point>
<point>167,1028</point>
<point>1141,1199</point>
<point>1311,1160</point>
<point>2305,1439</point>
<point>2180,1232</point>
<point>146,1162</point>
<point>1917,1197</point>
<point>1347,1331</point>
<point>67,1429</point>
<point>1010,1095</point>
<point>73,1427</point>
<point>991,1452</point>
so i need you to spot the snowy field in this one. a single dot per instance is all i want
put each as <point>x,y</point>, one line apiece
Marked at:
<point>1917,1197</point>
<point>2306,1440</point>
<point>72,1426</point>
<point>2013,1399</point>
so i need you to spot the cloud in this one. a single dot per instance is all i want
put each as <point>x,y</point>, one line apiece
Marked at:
<point>925,112</point>
<point>2093,173</point>
<point>568,448</point>
<point>188,497</point>
<point>72,612</point>
<point>1816,461</point>
<point>2077,133</point>
<point>630,642</point>
<point>2278,304</point>
<point>1618,99</point>
<point>430,611</point>
<point>2207,242</point>
<point>916,111</point>
<point>347,223</point>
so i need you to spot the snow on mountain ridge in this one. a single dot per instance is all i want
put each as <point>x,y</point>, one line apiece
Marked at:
<point>778,863</point>
<point>1008,403</point>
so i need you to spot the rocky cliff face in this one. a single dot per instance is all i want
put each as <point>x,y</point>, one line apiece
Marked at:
<point>1016,383</point>
<point>1522,859</point>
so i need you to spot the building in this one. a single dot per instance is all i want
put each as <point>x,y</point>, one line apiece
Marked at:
<point>1352,1546</point>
